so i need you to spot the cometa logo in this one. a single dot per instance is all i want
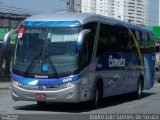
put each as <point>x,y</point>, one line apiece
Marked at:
<point>115,62</point>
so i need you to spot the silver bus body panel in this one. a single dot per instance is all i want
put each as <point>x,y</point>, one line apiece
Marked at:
<point>52,96</point>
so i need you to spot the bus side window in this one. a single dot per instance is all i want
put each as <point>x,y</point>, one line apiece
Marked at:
<point>103,40</point>
<point>137,35</point>
<point>87,50</point>
<point>152,42</point>
<point>148,37</point>
<point>114,40</point>
<point>140,40</point>
<point>125,41</point>
<point>144,36</point>
<point>133,36</point>
<point>93,27</point>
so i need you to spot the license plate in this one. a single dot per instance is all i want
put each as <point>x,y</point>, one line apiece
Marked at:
<point>40,95</point>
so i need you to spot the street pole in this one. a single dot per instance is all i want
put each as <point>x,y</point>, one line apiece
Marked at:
<point>71,5</point>
<point>79,5</point>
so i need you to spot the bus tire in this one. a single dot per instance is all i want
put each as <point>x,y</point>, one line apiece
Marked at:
<point>138,93</point>
<point>97,97</point>
<point>41,103</point>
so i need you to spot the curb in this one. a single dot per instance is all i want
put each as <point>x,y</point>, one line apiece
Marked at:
<point>5,85</point>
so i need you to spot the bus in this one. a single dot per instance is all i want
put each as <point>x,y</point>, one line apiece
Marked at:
<point>77,57</point>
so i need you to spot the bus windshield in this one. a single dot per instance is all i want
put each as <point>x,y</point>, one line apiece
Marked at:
<point>55,46</point>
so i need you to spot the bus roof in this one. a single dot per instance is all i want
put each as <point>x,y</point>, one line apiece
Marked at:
<point>83,18</point>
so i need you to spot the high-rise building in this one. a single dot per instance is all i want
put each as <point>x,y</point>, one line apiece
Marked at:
<point>88,6</point>
<point>134,11</point>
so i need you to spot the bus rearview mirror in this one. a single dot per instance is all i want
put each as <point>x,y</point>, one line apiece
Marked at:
<point>81,36</point>
<point>6,38</point>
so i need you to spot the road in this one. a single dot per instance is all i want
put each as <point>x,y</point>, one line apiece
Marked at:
<point>122,104</point>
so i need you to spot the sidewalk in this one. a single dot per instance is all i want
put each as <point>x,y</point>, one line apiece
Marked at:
<point>5,84</point>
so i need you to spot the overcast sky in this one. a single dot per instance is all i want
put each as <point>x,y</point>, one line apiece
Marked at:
<point>58,5</point>
<point>154,12</point>
<point>37,5</point>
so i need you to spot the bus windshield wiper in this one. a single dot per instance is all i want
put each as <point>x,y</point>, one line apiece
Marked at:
<point>32,61</point>
<point>51,64</point>
<point>47,59</point>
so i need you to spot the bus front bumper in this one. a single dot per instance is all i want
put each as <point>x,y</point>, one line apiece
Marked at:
<point>70,94</point>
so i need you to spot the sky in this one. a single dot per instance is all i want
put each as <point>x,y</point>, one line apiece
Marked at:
<point>61,5</point>
<point>37,5</point>
<point>154,12</point>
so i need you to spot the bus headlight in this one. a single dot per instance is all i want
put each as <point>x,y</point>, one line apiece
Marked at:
<point>16,83</point>
<point>69,84</point>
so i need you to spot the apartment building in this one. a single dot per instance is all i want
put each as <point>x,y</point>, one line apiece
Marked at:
<point>134,11</point>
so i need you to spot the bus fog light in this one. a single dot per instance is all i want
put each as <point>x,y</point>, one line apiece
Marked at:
<point>16,83</point>
<point>69,95</point>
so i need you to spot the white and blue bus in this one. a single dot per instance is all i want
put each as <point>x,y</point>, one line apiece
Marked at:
<point>76,57</point>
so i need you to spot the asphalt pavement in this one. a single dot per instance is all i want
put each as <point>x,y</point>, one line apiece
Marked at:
<point>117,105</point>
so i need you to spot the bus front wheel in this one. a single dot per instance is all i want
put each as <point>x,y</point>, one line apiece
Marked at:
<point>97,97</point>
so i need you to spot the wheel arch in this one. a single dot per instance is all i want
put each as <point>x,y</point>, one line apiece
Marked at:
<point>141,78</point>
<point>100,84</point>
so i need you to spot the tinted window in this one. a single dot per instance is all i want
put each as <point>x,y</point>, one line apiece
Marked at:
<point>113,38</point>
<point>88,45</point>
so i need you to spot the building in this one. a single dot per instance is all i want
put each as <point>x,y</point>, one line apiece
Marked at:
<point>88,6</point>
<point>134,11</point>
<point>9,21</point>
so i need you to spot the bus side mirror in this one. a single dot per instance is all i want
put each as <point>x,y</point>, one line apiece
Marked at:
<point>81,36</point>
<point>6,38</point>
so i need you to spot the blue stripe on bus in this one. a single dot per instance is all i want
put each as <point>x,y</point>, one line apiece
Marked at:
<point>51,23</point>
<point>44,82</point>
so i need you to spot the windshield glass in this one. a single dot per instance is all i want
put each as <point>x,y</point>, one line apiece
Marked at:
<point>54,46</point>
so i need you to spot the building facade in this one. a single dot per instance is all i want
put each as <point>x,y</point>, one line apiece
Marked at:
<point>134,11</point>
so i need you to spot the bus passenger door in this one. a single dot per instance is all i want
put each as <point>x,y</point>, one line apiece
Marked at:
<point>86,66</point>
